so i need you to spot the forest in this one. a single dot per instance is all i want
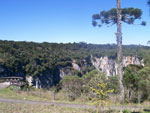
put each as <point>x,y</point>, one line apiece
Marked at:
<point>35,59</point>
<point>42,59</point>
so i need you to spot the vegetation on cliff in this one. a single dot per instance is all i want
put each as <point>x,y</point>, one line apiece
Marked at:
<point>38,59</point>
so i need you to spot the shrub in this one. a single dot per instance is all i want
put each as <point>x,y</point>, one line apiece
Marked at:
<point>113,83</point>
<point>72,85</point>
<point>126,111</point>
<point>100,96</point>
<point>93,79</point>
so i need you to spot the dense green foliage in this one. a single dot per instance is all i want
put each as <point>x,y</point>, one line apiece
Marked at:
<point>113,83</point>
<point>137,83</point>
<point>76,87</point>
<point>38,59</point>
<point>25,56</point>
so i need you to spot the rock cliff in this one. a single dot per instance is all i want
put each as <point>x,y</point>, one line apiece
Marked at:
<point>109,65</point>
<point>102,64</point>
<point>49,78</point>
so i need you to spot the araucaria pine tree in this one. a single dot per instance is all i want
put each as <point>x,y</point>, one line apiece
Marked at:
<point>117,16</point>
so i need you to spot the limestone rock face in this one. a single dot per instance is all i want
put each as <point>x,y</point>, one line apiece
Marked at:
<point>29,79</point>
<point>109,65</point>
<point>65,72</point>
<point>75,66</point>
<point>132,60</point>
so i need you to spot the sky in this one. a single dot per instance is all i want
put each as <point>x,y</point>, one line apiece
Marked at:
<point>65,21</point>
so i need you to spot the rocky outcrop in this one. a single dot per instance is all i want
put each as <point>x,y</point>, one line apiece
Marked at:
<point>65,72</point>
<point>132,60</point>
<point>51,77</point>
<point>29,79</point>
<point>75,66</point>
<point>109,65</point>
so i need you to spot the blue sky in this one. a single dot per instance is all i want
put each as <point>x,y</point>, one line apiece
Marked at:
<point>66,21</point>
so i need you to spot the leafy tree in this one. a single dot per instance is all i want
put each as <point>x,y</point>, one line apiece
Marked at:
<point>88,76</point>
<point>143,83</point>
<point>137,82</point>
<point>129,79</point>
<point>113,83</point>
<point>72,85</point>
<point>115,16</point>
<point>91,79</point>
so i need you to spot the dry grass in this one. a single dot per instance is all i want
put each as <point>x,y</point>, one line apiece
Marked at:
<point>27,108</point>
<point>46,96</point>
<point>31,95</point>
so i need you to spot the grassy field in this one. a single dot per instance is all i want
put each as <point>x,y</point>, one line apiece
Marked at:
<point>13,93</point>
<point>46,96</point>
<point>27,108</point>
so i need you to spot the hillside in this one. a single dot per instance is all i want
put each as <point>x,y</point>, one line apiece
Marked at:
<point>50,61</point>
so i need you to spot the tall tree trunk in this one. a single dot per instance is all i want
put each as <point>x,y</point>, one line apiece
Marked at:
<point>119,54</point>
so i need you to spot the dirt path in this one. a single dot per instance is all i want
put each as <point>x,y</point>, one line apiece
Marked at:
<point>82,106</point>
<point>47,103</point>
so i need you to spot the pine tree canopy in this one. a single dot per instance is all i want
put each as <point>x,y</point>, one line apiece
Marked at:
<point>129,15</point>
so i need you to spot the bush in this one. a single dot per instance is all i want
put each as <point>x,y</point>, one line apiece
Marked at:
<point>126,111</point>
<point>113,83</point>
<point>72,85</point>
<point>91,79</point>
